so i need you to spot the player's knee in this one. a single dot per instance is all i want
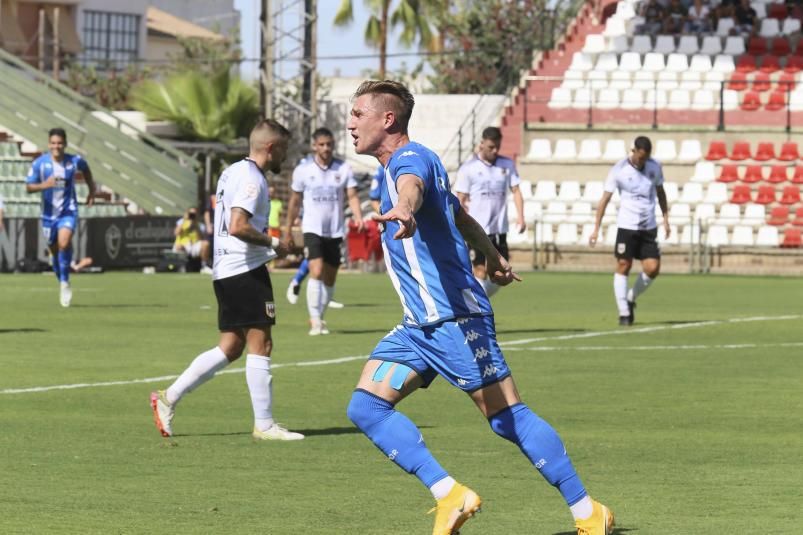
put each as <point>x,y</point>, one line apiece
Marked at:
<point>365,409</point>
<point>653,271</point>
<point>503,423</point>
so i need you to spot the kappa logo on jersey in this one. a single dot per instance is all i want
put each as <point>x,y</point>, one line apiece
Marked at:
<point>480,354</point>
<point>461,321</point>
<point>270,309</point>
<point>461,381</point>
<point>408,153</point>
<point>489,370</point>
<point>471,336</point>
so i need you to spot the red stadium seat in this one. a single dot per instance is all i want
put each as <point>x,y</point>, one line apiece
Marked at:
<point>786,82</point>
<point>741,151</point>
<point>776,11</point>
<point>798,219</point>
<point>792,238</point>
<point>780,47</point>
<point>765,151</point>
<point>741,194</point>
<point>729,173</point>
<point>766,195</point>
<point>761,82</point>
<point>757,46</point>
<point>716,151</point>
<point>789,152</point>
<point>779,216</point>
<point>797,178</point>
<point>738,81</point>
<point>790,195</point>
<point>777,174</point>
<point>752,174</point>
<point>746,63</point>
<point>794,63</point>
<point>751,101</point>
<point>777,101</point>
<point>770,64</point>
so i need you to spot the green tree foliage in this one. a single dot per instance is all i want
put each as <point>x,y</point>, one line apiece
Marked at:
<point>205,107</point>
<point>109,89</point>
<point>488,43</point>
<point>409,15</point>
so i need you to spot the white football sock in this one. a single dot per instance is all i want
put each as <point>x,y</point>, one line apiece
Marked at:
<point>260,386</point>
<point>197,373</point>
<point>582,509</point>
<point>639,287</point>
<point>442,488</point>
<point>620,293</point>
<point>314,298</point>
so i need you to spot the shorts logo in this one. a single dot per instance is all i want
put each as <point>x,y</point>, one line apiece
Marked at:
<point>461,381</point>
<point>621,247</point>
<point>471,336</point>
<point>489,370</point>
<point>480,354</point>
<point>270,309</point>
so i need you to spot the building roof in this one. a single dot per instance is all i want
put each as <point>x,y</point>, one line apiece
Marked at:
<point>164,23</point>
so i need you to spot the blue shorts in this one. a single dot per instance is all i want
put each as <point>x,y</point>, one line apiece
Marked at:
<point>463,351</point>
<point>51,228</point>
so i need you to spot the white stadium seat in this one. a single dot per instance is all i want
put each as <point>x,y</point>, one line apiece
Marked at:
<point>700,63</point>
<point>703,100</point>
<point>704,213</point>
<point>630,62</point>
<point>581,212</point>
<point>654,62</point>
<point>581,62</point>
<point>561,98</point>
<point>644,80</point>
<point>607,99</point>
<point>540,149</point>
<point>573,80</point>
<point>655,98</point>
<point>569,189</point>
<point>767,236</point>
<point>690,151</point>
<point>692,193</point>
<point>620,80</point>
<point>712,45</point>
<point>665,150</point>
<point>691,80</point>
<point>588,228</point>
<point>614,26</point>
<point>597,79</point>
<point>734,46</point>
<point>595,43</point>
<point>724,26</point>
<point>716,193</point>
<point>545,190</point>
<point>729,215</point>
<point>677,63</point>
<point>690,234</point>
<point>717,236</point>
<point>679,99</point>
<point>671,191</point>
<point>730,99</point>
<point>526,188</point>
<point>533,211</point>
<point>555,212</point>
<point>543,233</point>
<point>742,236</point>
<point>632,99</point>
<point>713,81</point>
<point>790,26</point>
<point>606,62</point>
<point>615,150</point>
<point>680,212</point>
<point>688,45</point>
<point>617,44</point>
<point>770,28</point>
<point>724,64</point>
<point>664,44</point>
<point>583,98</point>
<point>703,171</point>
<point>592,192</point>
<point>641,44</point>
<point>610,234</point>
<point>667,81</point>
<point>754,214</point>
<point>567,234</point>
<point>565,149</point>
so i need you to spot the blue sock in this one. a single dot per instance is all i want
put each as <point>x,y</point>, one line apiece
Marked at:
<point>65,259</point>
<point>394,434</point>
<point>542,445</point>
<point>54,260</point>
<point>303,271</point>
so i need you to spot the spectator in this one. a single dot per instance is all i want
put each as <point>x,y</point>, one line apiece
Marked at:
<point>745,18</point>
<point>699,18</point>
<point>189,239</point>
<point>654,14</point>
<point>675,18</point>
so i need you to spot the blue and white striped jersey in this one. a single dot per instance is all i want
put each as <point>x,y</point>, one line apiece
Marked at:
<point>375,193</point>
<point>430,271</point>
<point>58,201</point>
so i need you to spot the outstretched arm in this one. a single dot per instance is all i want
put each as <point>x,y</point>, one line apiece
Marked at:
<point>498,268</point>
<point>411,194</point>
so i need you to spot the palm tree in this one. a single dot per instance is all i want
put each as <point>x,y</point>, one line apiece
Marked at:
<point>411,15</point>
<point>217,107</point>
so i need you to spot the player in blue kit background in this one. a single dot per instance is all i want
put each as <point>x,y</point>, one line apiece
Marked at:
<point>55,175</point>
<point>448,325</point>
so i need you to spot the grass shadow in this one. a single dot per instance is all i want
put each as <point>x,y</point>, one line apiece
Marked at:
<point>537,331</point>
<point>23,330</point>
<point>120,305</point>
<point>616,531</point>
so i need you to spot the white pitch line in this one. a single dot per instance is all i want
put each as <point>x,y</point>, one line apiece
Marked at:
<point>640,330</point>
<point>685,347</point>
<point>340,360</point>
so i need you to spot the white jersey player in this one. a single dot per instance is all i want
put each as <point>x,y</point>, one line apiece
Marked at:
<point>639,181</point>
<point>246,310</point>
<point>482,186</point>
<point>324,183</point>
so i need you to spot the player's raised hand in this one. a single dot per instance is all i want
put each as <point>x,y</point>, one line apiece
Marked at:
<point>405,218</point>
<point>500,271</point>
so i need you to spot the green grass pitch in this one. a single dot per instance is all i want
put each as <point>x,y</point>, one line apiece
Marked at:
<point>687,423</point>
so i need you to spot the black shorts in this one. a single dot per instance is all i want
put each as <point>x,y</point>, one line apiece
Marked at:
<point>319,247</point>
<point>245,300</point>
<point>638,244</point>
<point>499,241</point>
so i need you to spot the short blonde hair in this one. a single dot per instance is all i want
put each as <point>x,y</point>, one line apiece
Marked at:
<point>393,95</point>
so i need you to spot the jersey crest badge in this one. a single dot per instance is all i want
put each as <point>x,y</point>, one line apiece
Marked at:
<point>270,309</point>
